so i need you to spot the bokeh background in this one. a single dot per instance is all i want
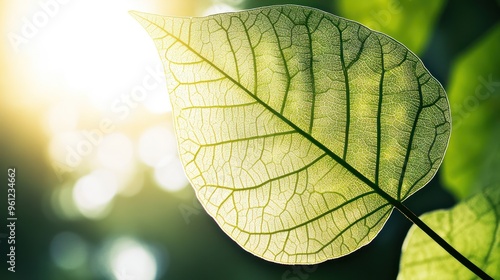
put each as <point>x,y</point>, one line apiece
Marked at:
<point>85,120</point>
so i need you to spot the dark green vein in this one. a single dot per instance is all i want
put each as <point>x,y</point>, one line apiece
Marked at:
<point>352,200</point>
<point>353,224</point>
<point>311,73</point>
<point>222,107</point>
<point>410,141</point>
<point>358,54</point>
<point>285,65</point>
<point>347,95</point>
<point>306,135</point>
<point>254,61</point>
<point>257,137</point>
<point>395,202</point>
<point>431,163</point>
<point>233,52</point>
<point>379,114</point>
<point>493,206</point>
<point>277,178</point>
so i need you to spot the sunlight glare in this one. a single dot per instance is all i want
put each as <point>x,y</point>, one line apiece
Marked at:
<point>129,259</point>
<point>219,7</point>
<point>157,144</point>
<point>169,175</point>
<point>95,47</point>
<point>116,152</point>
<point>158,101</point>
<point>62,116</point>
<point>62,149</point>
<point>93,193</point>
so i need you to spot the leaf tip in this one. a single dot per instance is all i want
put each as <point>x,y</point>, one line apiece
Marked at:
<point>136,15</point>
<point>150,22</point>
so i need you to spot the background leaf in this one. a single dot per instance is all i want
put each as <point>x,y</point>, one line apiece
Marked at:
<point>473,158</point>
<point>472,227</point>
<point>411,22</point>
<point>297,128</point>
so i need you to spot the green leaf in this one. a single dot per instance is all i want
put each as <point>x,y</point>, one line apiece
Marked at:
<point>472,227</point>
<point>473,157</point>
<point>411,22</point>
<point>298,129</point>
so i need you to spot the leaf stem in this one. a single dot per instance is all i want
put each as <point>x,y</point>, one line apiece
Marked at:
<point>445,245</point>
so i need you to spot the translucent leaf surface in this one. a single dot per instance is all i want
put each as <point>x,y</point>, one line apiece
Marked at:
<point>473,157</point>
<point>297,128</point>
<point>411,22</point>
<point>472,227</point>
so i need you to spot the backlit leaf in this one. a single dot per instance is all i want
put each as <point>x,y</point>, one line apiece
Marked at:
<point>472,227</point>
<point>299,129</point>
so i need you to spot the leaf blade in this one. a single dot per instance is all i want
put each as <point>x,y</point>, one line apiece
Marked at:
<point>267,181</point>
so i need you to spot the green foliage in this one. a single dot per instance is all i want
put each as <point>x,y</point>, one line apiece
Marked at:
<point>411,22</point>
<point>473,158</point>
<point>472,227</point>
<point>299,130</point>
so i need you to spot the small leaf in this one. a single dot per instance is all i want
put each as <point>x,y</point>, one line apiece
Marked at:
<point>472,227</point>
<point>411,22</point>
<point>473,157</point>
<point>299,129</point>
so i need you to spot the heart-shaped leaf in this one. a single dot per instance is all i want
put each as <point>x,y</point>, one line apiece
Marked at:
<point>299,130</point>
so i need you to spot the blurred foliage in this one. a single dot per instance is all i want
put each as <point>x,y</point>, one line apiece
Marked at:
<point>472,227</point>
<point>473,157</point>
<point>453,35</point>
<point>409,22</point>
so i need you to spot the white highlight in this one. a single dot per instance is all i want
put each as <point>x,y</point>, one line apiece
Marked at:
<point>116,152</point>
<point>92,193</point>
<point>157,144</point>
<point>128,259</point>
<point>170,176</point>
